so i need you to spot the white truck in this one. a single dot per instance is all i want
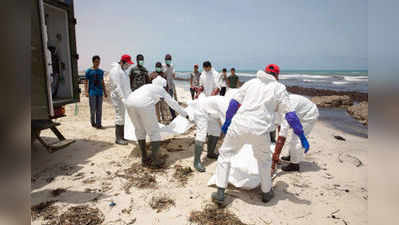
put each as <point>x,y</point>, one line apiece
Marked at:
<point>55,79</point>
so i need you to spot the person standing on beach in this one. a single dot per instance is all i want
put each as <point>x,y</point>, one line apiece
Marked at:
<point>222,79</point>
<point>139,74</point>
<point>233,80</point>
<point>208,80</point>
<point>308,113</point>
<point>120,90</point>
<point>249,118</point>
<point>160,105</point>
<point>194,81</point>
<point>95,89</point>
<point>169,70</point>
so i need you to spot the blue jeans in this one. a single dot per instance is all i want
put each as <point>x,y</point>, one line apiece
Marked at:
<point>96,108</point>
<point>172,112</point>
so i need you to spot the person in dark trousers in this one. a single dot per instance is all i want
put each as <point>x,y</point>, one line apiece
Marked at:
<point>233,80</point>
<point>170,73</point>
<point>194,81</point>
<point>223,82</point>
<point>95,90</point>
<point>139,74</point>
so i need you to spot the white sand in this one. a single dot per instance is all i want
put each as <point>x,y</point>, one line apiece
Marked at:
<point>309,197</point>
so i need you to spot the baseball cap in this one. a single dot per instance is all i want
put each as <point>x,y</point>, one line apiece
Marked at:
<point>127,58</point>
<point>272,68</point>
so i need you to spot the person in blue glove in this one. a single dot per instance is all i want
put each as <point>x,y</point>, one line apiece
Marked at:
<point>249,119</point>
<point>308,114</point>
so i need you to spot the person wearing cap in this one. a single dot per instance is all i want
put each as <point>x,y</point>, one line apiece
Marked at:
<point>194,81</point>
<point>139,74</point>
<point>141,109</point>
<point>161,104</point>
<point>249,119</point>
<point>120,90</point>
<point>170,72</point>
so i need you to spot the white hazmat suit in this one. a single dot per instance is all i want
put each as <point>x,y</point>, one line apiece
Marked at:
<point>208,113</point>
<point>120,90</point>
<point>259,99</point>
<point>308,114</point>
<point>141,108</point>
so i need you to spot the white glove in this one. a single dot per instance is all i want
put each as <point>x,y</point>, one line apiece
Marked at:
<point>123,101</point>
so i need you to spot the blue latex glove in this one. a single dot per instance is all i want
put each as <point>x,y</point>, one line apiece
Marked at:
<point>231,111</point>
<point>226,126</point>
<point>304,142</point>
<point>294,122</point>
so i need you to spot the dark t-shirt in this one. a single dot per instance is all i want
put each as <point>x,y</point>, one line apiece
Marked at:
<point>95,78</point>
<point>138,77</point>
<point>233,81</point>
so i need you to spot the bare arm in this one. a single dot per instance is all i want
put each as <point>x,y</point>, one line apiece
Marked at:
<point>86,88</point>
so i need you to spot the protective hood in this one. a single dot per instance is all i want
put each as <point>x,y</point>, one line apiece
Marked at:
<point>159,81</point>
<point>263,76</point>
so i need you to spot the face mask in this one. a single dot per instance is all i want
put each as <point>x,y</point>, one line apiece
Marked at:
<point>141,62</point>
<point>168,61</point>
<point>158,69</point>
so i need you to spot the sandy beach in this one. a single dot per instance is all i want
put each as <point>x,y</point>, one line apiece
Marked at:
<point>330,189</point>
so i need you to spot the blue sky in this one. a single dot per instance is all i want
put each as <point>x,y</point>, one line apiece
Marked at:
<point>296,34</point>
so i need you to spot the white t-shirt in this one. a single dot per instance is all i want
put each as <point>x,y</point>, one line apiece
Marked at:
<point>169,71</point>
<point>221,80</point>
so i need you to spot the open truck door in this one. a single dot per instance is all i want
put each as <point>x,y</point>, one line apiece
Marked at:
<point>55,80</point>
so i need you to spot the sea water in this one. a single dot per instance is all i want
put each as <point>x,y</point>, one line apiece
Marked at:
<point>338,80</point>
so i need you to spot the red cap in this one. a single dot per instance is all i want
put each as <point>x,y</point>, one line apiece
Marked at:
<point>127,58</point>
<point>272,68</point>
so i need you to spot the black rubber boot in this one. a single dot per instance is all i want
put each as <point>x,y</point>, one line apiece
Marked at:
<point>273,137</point>
<point>197,156</point>
<point>144,157</point>
<point>266,197</point>
<point>118,134</point>
<point>291,167</point>
<point>212,141</point>
<point>156,158</point>
<point>218,196</point>
<point>286,158</point>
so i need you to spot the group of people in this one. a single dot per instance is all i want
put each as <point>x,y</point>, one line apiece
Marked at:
<point>223,81</point>
<point>243,115</point>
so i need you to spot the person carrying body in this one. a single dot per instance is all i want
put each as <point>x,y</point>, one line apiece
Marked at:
<point>120,90</point>
<point>208,114</point>
<point>140,106</point>
<point>249,119</point>
<point>308,114</point>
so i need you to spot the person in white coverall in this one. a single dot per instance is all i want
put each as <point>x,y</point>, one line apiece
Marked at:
<point>141,109</point>
<point>308,114</point>
<point>209,86</point>
<point>120,90</point>
<point>249,119</point>
<point>207,109</point>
